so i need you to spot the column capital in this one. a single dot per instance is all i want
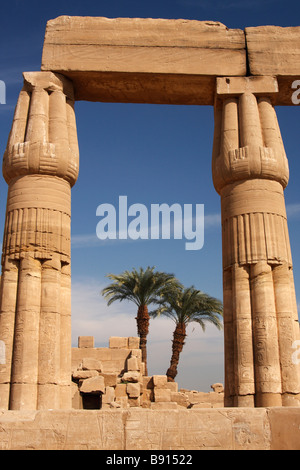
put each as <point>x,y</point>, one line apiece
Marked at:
<point>48,81</point>
<point>247,142</point>
<point>43,138</point>
<point>227,87</point>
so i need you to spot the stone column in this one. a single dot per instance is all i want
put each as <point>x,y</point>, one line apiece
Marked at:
<point>250,172</point>
<point>40,166</point>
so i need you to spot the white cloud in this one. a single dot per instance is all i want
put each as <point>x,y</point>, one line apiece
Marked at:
<point>293,210</point>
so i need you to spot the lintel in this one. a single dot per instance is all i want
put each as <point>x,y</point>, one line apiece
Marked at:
<point>161,61</point>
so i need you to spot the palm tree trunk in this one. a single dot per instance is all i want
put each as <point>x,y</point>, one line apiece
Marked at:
<point>143,321</point>
<point>179,336</point>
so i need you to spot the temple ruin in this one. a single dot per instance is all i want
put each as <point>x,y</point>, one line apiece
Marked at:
<point>244,75</point>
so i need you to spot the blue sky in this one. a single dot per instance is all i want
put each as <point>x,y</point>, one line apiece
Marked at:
<point>152,154</point>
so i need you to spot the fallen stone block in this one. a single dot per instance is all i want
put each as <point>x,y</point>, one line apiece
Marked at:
<point>132,376</point>
<point>84,374</point>
<point>94,385</point>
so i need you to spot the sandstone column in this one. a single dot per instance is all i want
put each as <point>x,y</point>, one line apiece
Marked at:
<point>40,166</point>
<point>250,172</point>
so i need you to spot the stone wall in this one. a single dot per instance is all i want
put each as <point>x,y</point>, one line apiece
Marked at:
<point>113,377</point>
<point>145,429</point>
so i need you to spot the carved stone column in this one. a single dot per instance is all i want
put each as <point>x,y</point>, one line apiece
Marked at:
<point>250,172</point>
<point>40,166</point>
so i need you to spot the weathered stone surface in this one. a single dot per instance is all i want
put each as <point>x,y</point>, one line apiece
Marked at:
<point>160,381</point>
<point>132,376</point>
<point>134,343</point>
<point>116,342</point>
<point>93,385</point>
<point>89,363</point>
<point>86,341</point>
<point>110,379</point>
<point>143,59</point>
<point>275,51</point>
<point>162,395</point>
<point>136,429</point>
<point>132,364</point>
<point>285,428</point>
<point>84,374</point>
<point>133,390</point>
<point>218,387</point>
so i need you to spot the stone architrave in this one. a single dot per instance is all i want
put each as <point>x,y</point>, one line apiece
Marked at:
<point>250,172</point>
<point>40,166</point>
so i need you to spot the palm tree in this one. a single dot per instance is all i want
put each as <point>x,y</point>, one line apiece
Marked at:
<point>184,306</point>
<point>143,287</point>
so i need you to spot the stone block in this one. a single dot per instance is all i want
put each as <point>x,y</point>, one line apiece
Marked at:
<point>180,398</point>
<point>134,402</point>
<point>136,353</point>
<point>122,401</point>
<point>89,363</point>
<point>109,395</point>
<point>148,382</point>
<point>117,342</point>
<point>178,59</point>
<point>285,428</point>
<point>86,342</point>
<point>275,51</point>
<point>133,390</point>
<point>121,390</point>
<point>162,395</point>
<point>132,364</point>
<point>146,398</point>
<point>134,343</point>
<point>84,374</point>
<point>173,386</point>
<point>164,406</point>
<point>110,379</point>
<point>218,387</point>
<point>94,385</point>
<point>132,376</point>
<point>160,381</point>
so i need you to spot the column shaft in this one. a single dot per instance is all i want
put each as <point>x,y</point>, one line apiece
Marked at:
<point>49,336</point>
<point>8,299</point>
<point>25,358</point>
